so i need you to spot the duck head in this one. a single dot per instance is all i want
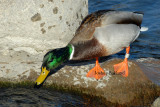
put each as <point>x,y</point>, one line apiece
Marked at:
<point>51,61</point>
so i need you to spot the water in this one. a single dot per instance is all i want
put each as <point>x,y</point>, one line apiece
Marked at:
<point>147,45</point>
<point>38,97</point>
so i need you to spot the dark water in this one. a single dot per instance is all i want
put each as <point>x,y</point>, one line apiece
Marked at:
<point>38,98</point>
<point>147,45</point>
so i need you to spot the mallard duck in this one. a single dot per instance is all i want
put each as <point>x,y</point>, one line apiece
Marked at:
<point>102,33</point>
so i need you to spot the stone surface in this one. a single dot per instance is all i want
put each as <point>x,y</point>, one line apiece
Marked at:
<point>151,68</point>
<point>30,28</point>
<point>35,26</point>
<point>135,90</point>
<point>156,103</point>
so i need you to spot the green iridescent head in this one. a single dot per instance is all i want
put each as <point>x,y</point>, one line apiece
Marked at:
<point>52,60</point>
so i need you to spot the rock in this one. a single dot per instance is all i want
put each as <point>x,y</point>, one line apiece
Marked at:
<point>150,68</point>
<point>40,25</point>
<point>156,103</point>
<point>30,28</point>
<point>135,90</point>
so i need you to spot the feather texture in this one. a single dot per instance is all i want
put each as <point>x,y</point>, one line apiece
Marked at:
<point>105,32</point>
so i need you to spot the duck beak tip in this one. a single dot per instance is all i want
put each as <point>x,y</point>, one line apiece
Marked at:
<point>41,78</point>
<point>37,85</point>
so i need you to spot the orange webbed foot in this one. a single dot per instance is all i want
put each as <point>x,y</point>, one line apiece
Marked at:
<point>96,72</point>
<point>122,68</point>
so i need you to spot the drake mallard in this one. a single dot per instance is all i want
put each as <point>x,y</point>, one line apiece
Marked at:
<point>102,33</point>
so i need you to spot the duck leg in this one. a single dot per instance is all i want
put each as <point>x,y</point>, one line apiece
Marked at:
<point>96,72</point>
<point>122,68</point>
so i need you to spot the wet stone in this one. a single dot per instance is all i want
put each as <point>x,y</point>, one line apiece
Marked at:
<point>50,0</point>
<point>67,23</point>
<point>60,17</point>
<point>55,10</point>
<point>41,5</point>
<point>49,27</point>
<point>36,17</point>
<point>42,24</point>
<point>43,30</point>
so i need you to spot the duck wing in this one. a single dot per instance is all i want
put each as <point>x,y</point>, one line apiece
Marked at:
<point>86,30</point>
<point>104,33</point>
<point>101,18</point>
<point>116,37</point>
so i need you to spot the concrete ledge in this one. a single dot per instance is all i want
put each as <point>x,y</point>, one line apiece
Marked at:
<point>38,25</point>
<point>30,28</point>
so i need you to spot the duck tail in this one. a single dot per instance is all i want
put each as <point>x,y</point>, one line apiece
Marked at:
<point>143,29</point>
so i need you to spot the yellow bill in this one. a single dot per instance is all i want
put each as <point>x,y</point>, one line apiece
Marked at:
<point>42,76</point>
